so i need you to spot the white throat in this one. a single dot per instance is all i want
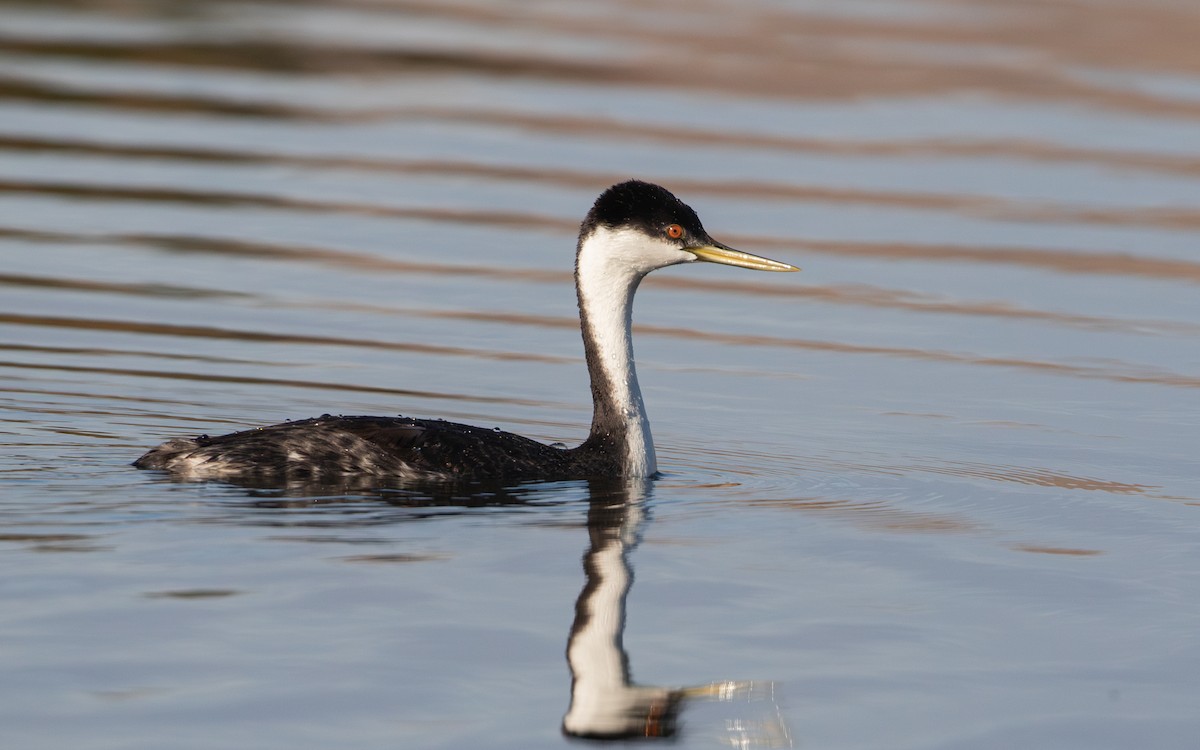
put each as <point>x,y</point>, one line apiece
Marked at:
<point>609,267</point>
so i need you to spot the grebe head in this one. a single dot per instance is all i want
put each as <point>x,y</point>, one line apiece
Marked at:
<point>631,230</point>
<point>642,227</point>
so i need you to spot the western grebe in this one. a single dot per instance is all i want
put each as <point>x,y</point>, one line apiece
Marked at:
<point>632,229</point>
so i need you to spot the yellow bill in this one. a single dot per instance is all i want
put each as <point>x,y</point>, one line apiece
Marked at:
<point>718,253</point>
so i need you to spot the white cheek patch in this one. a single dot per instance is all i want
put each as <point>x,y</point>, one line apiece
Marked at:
<point>633,250</point>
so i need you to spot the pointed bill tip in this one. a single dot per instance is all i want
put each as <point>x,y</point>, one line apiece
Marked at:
<point>717,253</point>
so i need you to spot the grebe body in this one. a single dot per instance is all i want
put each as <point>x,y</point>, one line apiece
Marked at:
<point>632,229</point>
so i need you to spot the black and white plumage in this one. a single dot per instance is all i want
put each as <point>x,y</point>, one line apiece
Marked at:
<point>632,229</point>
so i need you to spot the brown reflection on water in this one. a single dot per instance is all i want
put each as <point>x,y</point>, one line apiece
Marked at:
<point>970,205</point>
<point>1123,373</point>
<point>1128,374</point>
<point>54,541</point>
<point>221,199</point>
<point>1034,476</point>
<point>347,259</point>
<point>91,394</point>
<point>282,382</point>
<point>43,538</point>
<point>212,332</point>
<point>1035,51</point>
<point>872,296</point>
<point>1063,261</point>
<point>116,287</point>
<point>192,594</point>
<point>327,539</point>
<point>878,515</point>
<point>1058,550</point>
<point>393,557</point>
<point>855,295</point>
<point>1131,375</point>
<point>296,56</point>
<point>17,89</point>
<point>600,127</point>
<point>112,352</point>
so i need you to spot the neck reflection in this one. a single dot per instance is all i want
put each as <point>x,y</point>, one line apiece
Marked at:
<point>605,702</point>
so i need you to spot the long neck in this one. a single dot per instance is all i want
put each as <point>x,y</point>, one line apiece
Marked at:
<point>605,287</point>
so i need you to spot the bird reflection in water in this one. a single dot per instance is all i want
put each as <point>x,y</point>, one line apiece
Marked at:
<point>605,703</point>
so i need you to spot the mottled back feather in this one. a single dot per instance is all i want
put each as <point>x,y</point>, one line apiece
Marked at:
<point>380,446</point>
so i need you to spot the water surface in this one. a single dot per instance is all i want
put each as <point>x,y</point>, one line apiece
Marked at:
<point>939,490</point>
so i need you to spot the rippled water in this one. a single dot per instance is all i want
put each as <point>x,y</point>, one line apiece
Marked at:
<point>939,490</point>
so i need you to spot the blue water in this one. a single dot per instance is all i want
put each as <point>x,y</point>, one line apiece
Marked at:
<point>937,491</point>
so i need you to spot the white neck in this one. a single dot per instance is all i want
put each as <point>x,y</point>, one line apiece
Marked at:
<point>609,267</point>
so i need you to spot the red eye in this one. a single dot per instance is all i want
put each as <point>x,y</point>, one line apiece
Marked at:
<point>674,231</point>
